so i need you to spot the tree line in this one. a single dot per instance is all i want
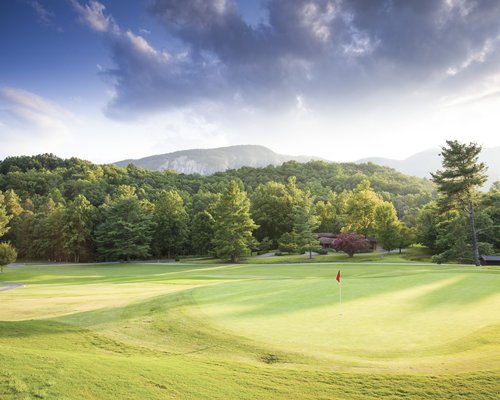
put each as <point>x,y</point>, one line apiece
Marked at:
<point>73,210</point>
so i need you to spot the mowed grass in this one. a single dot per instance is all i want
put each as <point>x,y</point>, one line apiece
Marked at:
<point>156,331</point>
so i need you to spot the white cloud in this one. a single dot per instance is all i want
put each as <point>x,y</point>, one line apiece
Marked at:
<point>44,16</point>
<point>142,46</point>
<point>23,99</point>
<point>93,15</point>
<point>333,78</point>
<point>31,123</point>
<point>318,21</point>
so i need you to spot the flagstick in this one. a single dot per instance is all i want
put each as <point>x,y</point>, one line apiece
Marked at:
<point>340,298</point>
<point>339,280</point>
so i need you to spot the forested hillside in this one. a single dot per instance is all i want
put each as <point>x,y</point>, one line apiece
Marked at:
<point>72,209</point>
<point>35,177</point>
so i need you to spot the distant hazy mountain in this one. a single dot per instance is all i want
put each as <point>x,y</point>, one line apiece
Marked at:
<point>208,161</point>
<point>425,162</point>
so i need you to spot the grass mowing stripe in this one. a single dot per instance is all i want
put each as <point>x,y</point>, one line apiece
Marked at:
<point>250,331</point>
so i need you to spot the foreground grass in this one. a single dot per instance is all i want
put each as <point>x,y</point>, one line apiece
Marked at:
<point>250,331</point>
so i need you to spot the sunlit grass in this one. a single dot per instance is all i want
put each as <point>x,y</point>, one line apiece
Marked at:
<point>250,331</point>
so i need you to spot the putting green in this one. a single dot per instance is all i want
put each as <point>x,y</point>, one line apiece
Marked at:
<point>397,318</point>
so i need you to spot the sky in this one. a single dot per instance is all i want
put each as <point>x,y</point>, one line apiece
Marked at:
<point>340,79</point>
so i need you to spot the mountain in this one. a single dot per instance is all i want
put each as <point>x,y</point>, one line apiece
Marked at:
<point>423,163</point>
<point>209,161</point>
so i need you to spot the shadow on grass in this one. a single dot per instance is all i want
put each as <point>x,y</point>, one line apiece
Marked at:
<point>260,297</point>
<point>24,329</point>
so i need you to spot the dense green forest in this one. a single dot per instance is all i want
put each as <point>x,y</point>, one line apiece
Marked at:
<point>73,210</point>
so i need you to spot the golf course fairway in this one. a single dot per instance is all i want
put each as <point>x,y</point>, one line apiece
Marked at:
<point>240,331</point>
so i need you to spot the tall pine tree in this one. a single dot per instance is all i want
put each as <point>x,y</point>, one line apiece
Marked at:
<point>458,183</point>
<point>233,223</point>
<point>304,224</point>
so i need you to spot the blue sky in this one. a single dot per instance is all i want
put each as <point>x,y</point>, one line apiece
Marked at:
<point>340,79</point>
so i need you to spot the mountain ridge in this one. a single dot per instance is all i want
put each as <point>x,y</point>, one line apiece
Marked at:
<point>209,161</point>
<point>421,164</point>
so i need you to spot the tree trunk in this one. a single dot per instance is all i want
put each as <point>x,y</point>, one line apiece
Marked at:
<point>472,225</point>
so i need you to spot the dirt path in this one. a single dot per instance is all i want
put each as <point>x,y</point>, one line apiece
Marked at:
<point>9,286</point>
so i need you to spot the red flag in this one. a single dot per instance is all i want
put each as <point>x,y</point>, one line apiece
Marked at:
<point>338,277</point>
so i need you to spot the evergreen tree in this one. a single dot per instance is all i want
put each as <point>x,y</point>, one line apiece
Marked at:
<point>452,243</point>
<point>458,183</point>
<point>287,243</point>
<point>13,203</point>
<point>78,227</point>
<point>490,205</point>
<point>22,234</point>
<point>304,224</point>
<point>126,230</point>
<point>233,223</point>
<point>171,221</point>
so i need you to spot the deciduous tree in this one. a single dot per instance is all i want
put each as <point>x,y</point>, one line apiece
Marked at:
<point>8,254</point>
<point>360,209</point>
<point>387,226</point>
<point>171,224</point>
<point>126,230</point>
<point>78,227</point>
<point>4,217</point>
<point>202,233</point>
<point>48,242</point>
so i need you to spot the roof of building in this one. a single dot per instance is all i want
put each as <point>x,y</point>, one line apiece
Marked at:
<point>326,235</point>
<point>490,258</point>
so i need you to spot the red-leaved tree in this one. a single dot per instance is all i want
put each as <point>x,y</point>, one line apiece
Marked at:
<point>350,243</point>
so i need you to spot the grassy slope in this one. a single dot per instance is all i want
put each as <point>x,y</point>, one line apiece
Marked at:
<point>250,331</point>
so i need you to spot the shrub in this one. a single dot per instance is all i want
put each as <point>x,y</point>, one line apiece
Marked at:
<point>8,254</point>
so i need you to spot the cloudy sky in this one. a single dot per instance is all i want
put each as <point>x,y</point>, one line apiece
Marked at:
<point>341,79</point>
